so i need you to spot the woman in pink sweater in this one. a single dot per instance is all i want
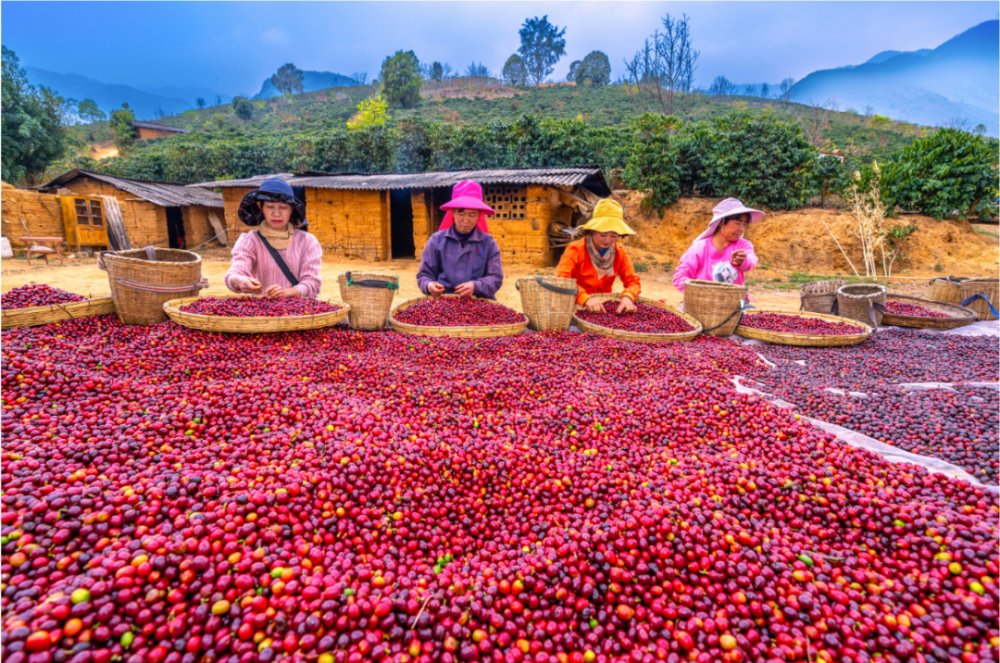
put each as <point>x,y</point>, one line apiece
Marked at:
<point>280,258</point>
<point>720,253</point>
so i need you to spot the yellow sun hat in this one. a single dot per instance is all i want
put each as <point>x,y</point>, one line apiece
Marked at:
<point>608,217</point>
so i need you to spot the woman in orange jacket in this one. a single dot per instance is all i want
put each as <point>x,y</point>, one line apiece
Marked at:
<point>594,261</point>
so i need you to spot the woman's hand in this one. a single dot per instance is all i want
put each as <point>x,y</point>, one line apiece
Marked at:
<point>276,292</point>
<point>435,289</point>
<point>251,285</point>
<point>738,257</point>
<point>626,305</point>
<point>465,289</point>
<point>594,305</point>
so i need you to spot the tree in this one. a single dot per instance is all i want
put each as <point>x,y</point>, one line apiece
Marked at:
<point>89,112</point>
<point>573,66</point>
<point>288,80</point>
<point>980,129</point>
<point>32,134</point>
<point>200,102</point>
<point>542,45</point>
<point>218,100</point>
<point>881,123</point>
<point>122,129</point>
<point>401,79</point>
<point>663,70</point>
<point>514,72</point>
<point>243,108</point>
<point>957,122</point>
<point>786,88</point>
<point>722,87</point>
<point>478,71</point>
<point>765,90</point>
<point>750,90</point>
<point>371,112</point>
<point>594,70</point>
<point>830,177</point>
<point>437,72</point>
<point>360,77</point>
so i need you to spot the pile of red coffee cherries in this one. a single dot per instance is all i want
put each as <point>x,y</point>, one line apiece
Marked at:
<point>250,307</point>
<point>36,294</point>
<point>457,312</point>
<point>904,308</point>
<point>797,324</point>
<point>645,320</point>
<point>173,496</point>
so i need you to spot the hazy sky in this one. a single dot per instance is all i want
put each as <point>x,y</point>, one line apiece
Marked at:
<point>232,46</point>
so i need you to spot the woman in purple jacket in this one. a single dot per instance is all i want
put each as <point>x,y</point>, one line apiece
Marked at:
<point>462,257</point>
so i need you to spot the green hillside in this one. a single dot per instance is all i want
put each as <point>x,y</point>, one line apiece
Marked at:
<point>611,106</point>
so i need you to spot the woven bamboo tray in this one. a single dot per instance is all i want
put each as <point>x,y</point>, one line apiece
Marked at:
<point>805,340</point>
<point>251,325</point>
<point>43,315</point>
<point>961,316</point>
<point>486,331</point>
<point>638,336</point>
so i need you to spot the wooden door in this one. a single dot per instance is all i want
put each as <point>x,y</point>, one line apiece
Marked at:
<point>83,219</point>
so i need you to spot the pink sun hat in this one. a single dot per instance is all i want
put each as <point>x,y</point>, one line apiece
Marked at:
<point>729,207</point>
<point>467,195</point>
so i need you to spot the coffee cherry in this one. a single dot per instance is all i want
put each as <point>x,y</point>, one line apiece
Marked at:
<point>36,294</point>
<point>797,324</point>
<point>248,307</point>
<point>645,320</point>
<point>457,312</point>
<point>905,308</point>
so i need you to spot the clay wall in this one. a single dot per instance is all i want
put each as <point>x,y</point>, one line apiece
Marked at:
<point>421,223</point>
<point>143,133</point>
<point>145,223</point>
<point>197,229</point>
<point>352,224</point>
<point>42,213</point>
<point>231,200</point>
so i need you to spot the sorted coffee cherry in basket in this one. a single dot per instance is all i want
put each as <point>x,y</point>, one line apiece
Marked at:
<point>457,312</point>
<point>258,307</point>
<point>797,324</point>
<point>646,319</point>
<point>37,294</point>
<point>902,308</point>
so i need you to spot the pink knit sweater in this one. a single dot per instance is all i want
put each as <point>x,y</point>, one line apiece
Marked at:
<point>251,259</point>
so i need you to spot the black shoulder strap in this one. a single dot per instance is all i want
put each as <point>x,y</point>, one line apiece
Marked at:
<point>279,261</point>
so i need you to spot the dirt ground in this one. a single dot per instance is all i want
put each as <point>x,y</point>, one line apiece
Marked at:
<point>81,275</point>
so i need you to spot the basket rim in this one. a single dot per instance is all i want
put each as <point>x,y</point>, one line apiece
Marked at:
<point>715,284</point>
<point>622,334</point>
<point>51,307</point>
<point>119,256</point>
<point>172,309</point>
<point>464,331</point>
<point>801,339</point>
<point>880,290</point>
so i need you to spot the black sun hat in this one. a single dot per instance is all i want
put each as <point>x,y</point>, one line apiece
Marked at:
<point>272,190</point>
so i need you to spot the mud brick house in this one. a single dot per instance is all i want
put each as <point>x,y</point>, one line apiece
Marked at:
<point>391,216</point>
<point>146,130</point>
<point>153,213</point>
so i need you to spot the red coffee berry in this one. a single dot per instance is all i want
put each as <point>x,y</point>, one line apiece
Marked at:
<point>645,320</point>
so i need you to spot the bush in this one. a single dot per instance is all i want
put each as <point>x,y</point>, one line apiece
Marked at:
<point>947,173</point>
<point>652,163</point>
<point>829,177</point>
<point>754,157</point>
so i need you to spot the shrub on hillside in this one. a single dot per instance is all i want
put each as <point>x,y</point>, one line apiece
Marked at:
<point>401,79</point>
<point>951,173</point>
<point>652,162</point>
<point>754,157</point>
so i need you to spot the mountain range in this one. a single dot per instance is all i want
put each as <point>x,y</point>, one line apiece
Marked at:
<point>956,83</point>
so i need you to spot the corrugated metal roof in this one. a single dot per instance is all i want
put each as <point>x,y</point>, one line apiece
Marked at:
<point>161,127</point>
<point>164,194</point>
<point>590,176</point>
<point>247,183</point>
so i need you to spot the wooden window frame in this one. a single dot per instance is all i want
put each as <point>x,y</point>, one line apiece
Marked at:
<point>88,218</point>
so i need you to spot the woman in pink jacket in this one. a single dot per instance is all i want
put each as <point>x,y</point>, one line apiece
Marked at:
<point>280,258</point>
<point>720,253</point>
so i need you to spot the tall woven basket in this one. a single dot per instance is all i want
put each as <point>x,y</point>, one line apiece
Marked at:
<point>947,290</point>
<point>370,297</point>
<point>143,280</point>
<point>717,306</point>
<point>819,296</point>
<point>548,301</point>
<point>864,302</point>
<point>982,296</point>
